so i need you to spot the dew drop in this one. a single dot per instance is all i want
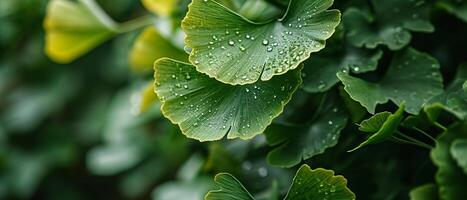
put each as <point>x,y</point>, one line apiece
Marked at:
<point>231,43</point>
<point>265,42</point>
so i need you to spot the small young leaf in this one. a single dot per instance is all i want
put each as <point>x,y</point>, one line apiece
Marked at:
<point>74,28</point>
<point>229,189</point>
<point>150,46</point>
<point>386,130</point>
<point>294,143</point>
<point>413,78</point>
<point>374,123</point>
<point>424,192</point>
<point>389,24</point>
<point>319,73</point>
<point>450,178</point>
<point>235,50</point>
<point>459,153</point>
<point>206,109</point>
<point>318,184</point>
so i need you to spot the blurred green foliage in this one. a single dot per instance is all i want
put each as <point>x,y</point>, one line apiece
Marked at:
<point>93,128</point>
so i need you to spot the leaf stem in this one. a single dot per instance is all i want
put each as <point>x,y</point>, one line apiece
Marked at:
<point>411,139</point>
<point>134,24</point>
<point>426,134</point>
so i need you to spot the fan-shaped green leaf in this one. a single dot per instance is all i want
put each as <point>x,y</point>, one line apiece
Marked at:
<point>74,28</point>
<point>294,143</point>
<point>206,109</point>
<point>234,50</point>
<point>318,184</point>
<point>229,189</point>
<point>450,178</point>
<point>413,78</point>
<point>307,184</point>
<point>386,130</point>
<point>319,73</point>
<point>424,192</point>
<point>456,7</point>
<point>389,24</point>
<point>150,46</point>
<point>459,153</point>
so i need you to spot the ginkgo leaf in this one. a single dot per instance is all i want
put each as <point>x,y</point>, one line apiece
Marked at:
<point>459,153</point>
<point>456,7</point>
<point>390,24</point>
<point>424,192</point>
<point>294,143</point>
<point>450,178</point>
<point>206,109</point>
<point>454,98</point>
<point>318,184</point>
<point>150,46</point>
<point>385,130</point>
<point>413,78</point>
<point>74,28</point>
<point>235,50</point>
<point>307,184</point>
<point>374,123</point>
<point>230,189</point>
<point>162,8</point>
<point>320,71</point>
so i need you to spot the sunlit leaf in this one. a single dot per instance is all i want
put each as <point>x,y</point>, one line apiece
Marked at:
<point>234,50</point>
<point>294,143</point>
<point>206,109</point>
<point>320,71</point>
<point>318,184</point>
<point>150,46</point>
<point>413,78</point>
<point>162,8</point>
<point>450,178</point>
<point>459,153</point>
<point>390,24</point>
<point>424,192</point>
<point>385,130</point>
<point>74,28</point>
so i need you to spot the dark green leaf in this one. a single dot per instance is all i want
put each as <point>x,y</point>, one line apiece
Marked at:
<point>450,178</point>
<point>294,143</point>
<point>413,78</point>
<point>424,192</point>
<point>389,24</point>
<point>459,153</point>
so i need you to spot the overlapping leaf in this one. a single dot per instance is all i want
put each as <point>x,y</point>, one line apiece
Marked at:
<point>390,24</point>
<point>234,50</point>
<point>450,178</point>
<point>294,143</point>
<point>320,71</point>
<point>206,109</point>
<point>413,78</point>
<point>382,130</point>
<point>74,28</point>
<point>307,184</point>
<point>454,98</point>
<point>150,46</point>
